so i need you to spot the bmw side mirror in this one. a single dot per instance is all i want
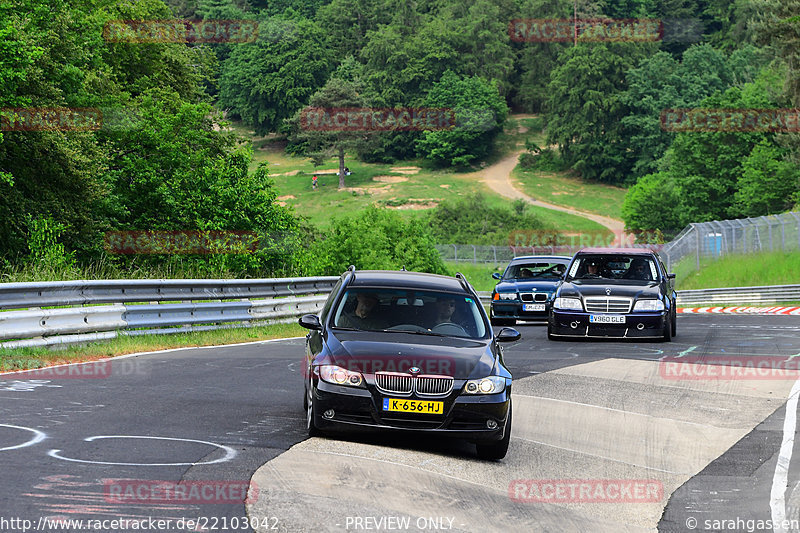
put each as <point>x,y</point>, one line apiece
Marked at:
<point>508,335</point>
<point>496,275</point>
<point>310,322</point>
<point>670,276</point>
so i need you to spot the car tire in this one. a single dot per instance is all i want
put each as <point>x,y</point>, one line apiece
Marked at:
<point>496,450</point>
<point>667,337</point>
<point>311,427</point>
<point>674,322</point>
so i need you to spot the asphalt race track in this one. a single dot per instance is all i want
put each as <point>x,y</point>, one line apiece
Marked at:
<point>689,451</point>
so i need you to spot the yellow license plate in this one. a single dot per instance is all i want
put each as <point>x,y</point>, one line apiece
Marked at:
<point>413,406</point>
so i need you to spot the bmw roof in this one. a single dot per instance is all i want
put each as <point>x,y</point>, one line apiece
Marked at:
<point>541,257</point>
<point>405,280</point>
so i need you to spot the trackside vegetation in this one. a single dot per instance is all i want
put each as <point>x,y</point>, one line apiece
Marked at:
<point>161,154</point>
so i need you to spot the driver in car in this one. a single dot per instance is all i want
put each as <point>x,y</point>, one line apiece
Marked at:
<point>363,316</point>
<point>445,307</point>
<point>593,269</point>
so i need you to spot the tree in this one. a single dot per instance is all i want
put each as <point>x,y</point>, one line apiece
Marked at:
<point>653,203</point>
<point>660,82</point>
<point>585,108</point>
<point>479,111</point>
<point>321,142</point>
<point>267,81</point>
<point>768,184</point>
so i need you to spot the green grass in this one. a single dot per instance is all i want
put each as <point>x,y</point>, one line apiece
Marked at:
<point>24,358</point>
<point>478,274</point>
<point>411,196</point>
<point>562,189</point>
<point>769,268</point>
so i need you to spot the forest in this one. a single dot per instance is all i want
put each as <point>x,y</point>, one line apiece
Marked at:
<point>162,157</point>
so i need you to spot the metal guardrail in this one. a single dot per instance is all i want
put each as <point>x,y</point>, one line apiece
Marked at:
<point>740,295</point>
<point>148,307</point>
<point>135,309</point>
<point>57,293</point>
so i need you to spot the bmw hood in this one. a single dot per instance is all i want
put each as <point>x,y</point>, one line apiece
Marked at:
<point>370,352</point>
<point>526,286</point>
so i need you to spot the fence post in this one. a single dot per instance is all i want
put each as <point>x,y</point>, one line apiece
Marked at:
<point>769,231</point>
<point>474,254</point>
<point>494,251</point>
<point>783,235</point>
<point>798,228</point>
<point>455,253</point>
<point>697,244</point>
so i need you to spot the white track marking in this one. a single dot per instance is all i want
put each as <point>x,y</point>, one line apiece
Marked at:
<point>777,497</point>
<point>38,436</point>
<point>230,453</point>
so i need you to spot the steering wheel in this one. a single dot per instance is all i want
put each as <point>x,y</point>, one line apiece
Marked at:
<point>449,324</point>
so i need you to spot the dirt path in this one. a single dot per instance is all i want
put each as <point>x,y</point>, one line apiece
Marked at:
<point>498,178</point>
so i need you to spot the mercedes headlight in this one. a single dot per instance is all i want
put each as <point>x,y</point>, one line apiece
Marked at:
<point>649,305</point>
<point>568,303</point>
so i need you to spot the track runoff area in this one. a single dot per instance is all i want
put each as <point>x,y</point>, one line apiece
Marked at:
<point>693,435</point>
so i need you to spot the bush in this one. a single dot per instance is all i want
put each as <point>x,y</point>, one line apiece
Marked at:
<point>471,220</point>
<point>377,239</point>
<point>546,160</point>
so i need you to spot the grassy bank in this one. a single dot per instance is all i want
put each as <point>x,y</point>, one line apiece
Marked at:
<point>559,188</point>
<point>771,268</point>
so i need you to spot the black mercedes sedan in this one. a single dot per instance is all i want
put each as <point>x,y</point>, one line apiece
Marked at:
<point>525,290</point>
<point>615,292</point>
<point>405,351</point>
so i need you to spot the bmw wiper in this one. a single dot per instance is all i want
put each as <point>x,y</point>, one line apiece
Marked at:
<point>343,328</point>
<point>416,332</point>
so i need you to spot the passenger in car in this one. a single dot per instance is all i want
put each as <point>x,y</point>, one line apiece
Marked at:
<point>638,270</point>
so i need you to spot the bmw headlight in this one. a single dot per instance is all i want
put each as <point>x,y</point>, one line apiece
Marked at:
<point>490,385</point>
<point>505,296</point>
<point>337,375</point>
<point>649,305</point>
<point>568,303</point>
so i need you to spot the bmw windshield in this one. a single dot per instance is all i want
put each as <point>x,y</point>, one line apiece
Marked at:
<point>417,311</point>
